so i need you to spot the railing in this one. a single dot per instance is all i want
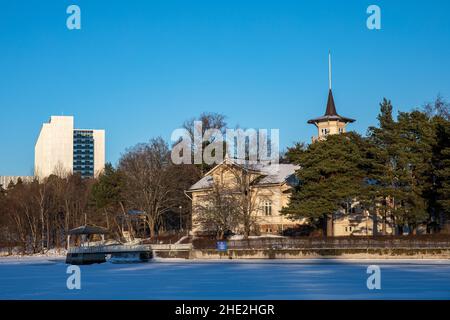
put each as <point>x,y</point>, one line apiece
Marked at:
<point>340,244</point>
<point>130,248</point>
<point>169,247</point>
<point>292,243</point>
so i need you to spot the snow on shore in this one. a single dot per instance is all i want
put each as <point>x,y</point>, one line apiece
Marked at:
<point>37,257</point>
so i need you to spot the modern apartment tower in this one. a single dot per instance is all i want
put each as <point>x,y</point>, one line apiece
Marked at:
<point>61,149</point>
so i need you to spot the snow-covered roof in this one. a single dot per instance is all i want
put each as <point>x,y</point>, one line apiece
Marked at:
<point>203,183</point>
<point>282,173</point>
<point>88,230</point>
<point>271,174</point>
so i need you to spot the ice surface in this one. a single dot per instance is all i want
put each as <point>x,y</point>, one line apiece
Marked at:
<point>45,278</point>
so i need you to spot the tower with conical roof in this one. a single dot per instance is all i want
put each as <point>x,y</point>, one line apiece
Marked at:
<point>331,122</point>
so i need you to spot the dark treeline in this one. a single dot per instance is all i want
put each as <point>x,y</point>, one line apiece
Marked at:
<point>143,196</point>
<point>400,170</point>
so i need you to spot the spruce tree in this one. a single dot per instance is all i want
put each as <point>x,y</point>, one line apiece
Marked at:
<point>331,176</point>
<point>441,163</point>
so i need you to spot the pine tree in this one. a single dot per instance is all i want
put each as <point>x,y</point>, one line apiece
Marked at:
<point>403,167</point>
<point>331,177</point>
<point>106,194</point>
<point>441,162</point>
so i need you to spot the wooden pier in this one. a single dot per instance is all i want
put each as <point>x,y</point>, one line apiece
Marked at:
<point>98,254</point>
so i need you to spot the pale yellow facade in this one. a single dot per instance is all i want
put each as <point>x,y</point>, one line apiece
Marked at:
<point>268,200</point>
<point>328,128</point>
<point>359,222</point>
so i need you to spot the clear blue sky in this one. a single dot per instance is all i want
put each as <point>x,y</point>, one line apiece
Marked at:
<point>138,69</point>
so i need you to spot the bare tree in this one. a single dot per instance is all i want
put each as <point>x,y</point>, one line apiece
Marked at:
<point>248,197</point>
<point>440,107</point>
<point>208,120</point>
<point>218,210</point>
<point>233,202</point>
<point>150,183</point>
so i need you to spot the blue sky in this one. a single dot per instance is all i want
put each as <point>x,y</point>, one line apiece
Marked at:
<point>139,68</point>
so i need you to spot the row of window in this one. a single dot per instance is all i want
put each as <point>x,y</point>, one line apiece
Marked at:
<point>326,131</point>
<point>83,163</point>
<point>83,133</point>
<point>83,168</point>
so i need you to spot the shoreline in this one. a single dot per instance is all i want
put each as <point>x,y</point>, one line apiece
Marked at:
<point>321,260</point>
<point>271,255</point>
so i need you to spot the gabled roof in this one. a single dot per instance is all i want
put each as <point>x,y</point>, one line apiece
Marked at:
<point>270,174</point>
<point>330,112</point>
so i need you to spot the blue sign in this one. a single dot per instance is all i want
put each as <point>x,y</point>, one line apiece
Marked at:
<point>222,246</point>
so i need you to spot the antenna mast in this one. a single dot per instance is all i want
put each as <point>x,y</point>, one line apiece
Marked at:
<point>329,68</point>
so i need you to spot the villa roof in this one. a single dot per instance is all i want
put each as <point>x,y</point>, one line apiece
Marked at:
<point>271,174</point>
<point>330,112</point>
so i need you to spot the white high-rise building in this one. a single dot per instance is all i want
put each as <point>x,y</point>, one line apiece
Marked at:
<point>60,149</point>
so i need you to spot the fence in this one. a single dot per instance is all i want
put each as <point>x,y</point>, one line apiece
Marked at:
<point>130,248</point>
<point>330,243</point>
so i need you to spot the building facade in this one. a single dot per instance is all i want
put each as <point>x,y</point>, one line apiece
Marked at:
<point>269,193</point>
<point>61,149</point>
<point>331,122</point>
<point>6,180</point>
<point>274,189</point>
<point>354,221</point>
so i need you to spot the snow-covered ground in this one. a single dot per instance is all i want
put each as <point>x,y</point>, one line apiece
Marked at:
<point>45,278</point>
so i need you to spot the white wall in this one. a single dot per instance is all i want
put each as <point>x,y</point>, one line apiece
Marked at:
<point>99,151</point>
<point>54,147</point>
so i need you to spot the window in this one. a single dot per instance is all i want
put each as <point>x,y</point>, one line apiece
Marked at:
<point>341,130</point>
<point>325,131</point>
<point>267,208</point>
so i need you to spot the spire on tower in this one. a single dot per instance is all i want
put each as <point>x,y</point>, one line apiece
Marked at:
<point>330,111</point>
<point>329,69</point>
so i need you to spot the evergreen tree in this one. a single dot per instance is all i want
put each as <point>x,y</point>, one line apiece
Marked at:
<point>403,162</point>
<point>106,193</point>
<point>441,162</point>
<point>332,175</point>
<point>416,137</point>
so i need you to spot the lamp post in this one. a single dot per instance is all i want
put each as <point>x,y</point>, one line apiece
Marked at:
<point>181,221</point>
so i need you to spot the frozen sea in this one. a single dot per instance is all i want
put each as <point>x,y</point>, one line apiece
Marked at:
<point>45,278</point>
